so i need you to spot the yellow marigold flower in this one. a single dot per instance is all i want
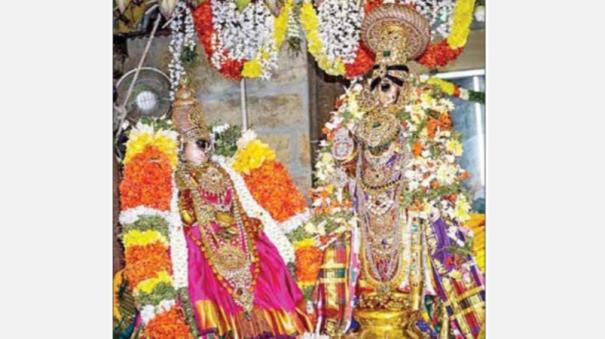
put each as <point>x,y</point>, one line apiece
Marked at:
<point>455,147</point>
<point>280,25</point>
<point>461,209</point>
<point>252,69</point>
<point>304,243</point>
<point>139,140</point>
<point>443,85</point>
<point>252,156</point>
<point>142,238</point>
<point>148,285</point>
<point>463,15</point>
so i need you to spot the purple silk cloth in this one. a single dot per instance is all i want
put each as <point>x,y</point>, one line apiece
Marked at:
<point>275,288</point>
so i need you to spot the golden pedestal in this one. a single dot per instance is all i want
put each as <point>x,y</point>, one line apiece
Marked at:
<point>383,324</point>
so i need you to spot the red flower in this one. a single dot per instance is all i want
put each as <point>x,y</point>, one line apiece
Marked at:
<point>363,62</point>
<point>439,55</point>
<point>202,19</point>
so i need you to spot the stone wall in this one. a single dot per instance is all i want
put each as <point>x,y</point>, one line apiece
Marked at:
<point>277,109</point>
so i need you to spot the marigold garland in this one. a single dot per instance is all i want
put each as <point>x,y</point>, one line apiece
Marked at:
<point>454,90</point>
<point>308,262</point>
<point>142,262</point>
<point>447,50</point>
<point>142,238</point>
<point>168,324</point>
<point>143,135</point>
<point>252,156</point>
<point>147,285</point>
<point>436,55</point>
<point>261,65</point>
<point>147,180</point>
<point>273,188</point>
<point>364,59</point>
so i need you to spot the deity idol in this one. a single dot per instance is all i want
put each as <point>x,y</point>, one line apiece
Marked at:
<point>403,267</point>
<point>239,285</point>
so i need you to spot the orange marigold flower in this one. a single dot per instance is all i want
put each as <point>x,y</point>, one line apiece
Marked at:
<point>273,188</point>
<point>144,262</point>
<point>169,324</point>
<point>445,121</point>
<point>431,127</point>
<point>147,180</point>
<point>308,263</point>
<point>417,149</point>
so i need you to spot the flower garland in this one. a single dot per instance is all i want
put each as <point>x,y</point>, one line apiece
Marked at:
<point>181,41</point>
<point>155,252</point>
<point>447,19</point>
<point>333,37</point>
<point>454,90</point>
<point>445,51</point>
<point>273,188</point>
<point>254,210</point>
<point>242,43</point>
<point>433,176</point>
<point>269,181</point>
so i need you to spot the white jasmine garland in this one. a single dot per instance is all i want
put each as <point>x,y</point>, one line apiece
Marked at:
<point>181,37</point>
<point>243,35</point>
<point>437,12</point>
<point>339,28</point>
<point>245,139</point>
<point>295,221</point>
<point>149,312</point>
<point>178,244</point>
<point>253,209</point>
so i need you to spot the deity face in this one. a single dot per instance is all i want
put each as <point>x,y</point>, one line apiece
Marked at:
<point>197,151</point>
<point>388,93</point>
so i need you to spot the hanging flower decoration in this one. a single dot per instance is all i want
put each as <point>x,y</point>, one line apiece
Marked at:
<point>181,44</point>
<point>447,50</point>
<point>152,235</point>
<point>333,36</point>
<point>332,30</point>
<point>273,188</point>
<point>456,91</point>
<point>242,42</point>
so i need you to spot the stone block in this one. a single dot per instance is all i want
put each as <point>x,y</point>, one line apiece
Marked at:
<point>284,110</point>
<point>280,143</point>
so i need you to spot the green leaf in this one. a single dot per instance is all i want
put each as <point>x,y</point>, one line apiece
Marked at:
<point>241,4</point>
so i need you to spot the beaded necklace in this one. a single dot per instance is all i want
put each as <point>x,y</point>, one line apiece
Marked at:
<point>226,243</point>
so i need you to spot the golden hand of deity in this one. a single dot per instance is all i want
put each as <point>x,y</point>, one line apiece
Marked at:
<point>226,222</point>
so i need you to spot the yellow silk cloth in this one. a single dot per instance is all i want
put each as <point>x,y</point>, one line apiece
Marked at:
<point>261,321</point>
<point>477,224</point>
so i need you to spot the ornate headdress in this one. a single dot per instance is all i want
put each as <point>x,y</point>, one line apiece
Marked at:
<point>395,33</point>
<point>187,114</point>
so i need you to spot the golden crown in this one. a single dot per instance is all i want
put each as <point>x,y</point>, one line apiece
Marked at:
<point>187,115</point>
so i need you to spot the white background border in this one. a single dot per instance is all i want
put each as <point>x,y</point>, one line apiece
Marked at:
<point>544,178</point>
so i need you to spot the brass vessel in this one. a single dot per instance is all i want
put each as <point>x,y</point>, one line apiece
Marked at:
<point>383,324</point>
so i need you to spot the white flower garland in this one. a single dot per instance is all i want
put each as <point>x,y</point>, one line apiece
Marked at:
<point>253,209</point>
<point>149,312</point>
<point>295,221</point>
<point>181,37</point>
<point>243,35</point>
<point>339,28</point>
<point>437,12</point>
<point>178,246</point>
